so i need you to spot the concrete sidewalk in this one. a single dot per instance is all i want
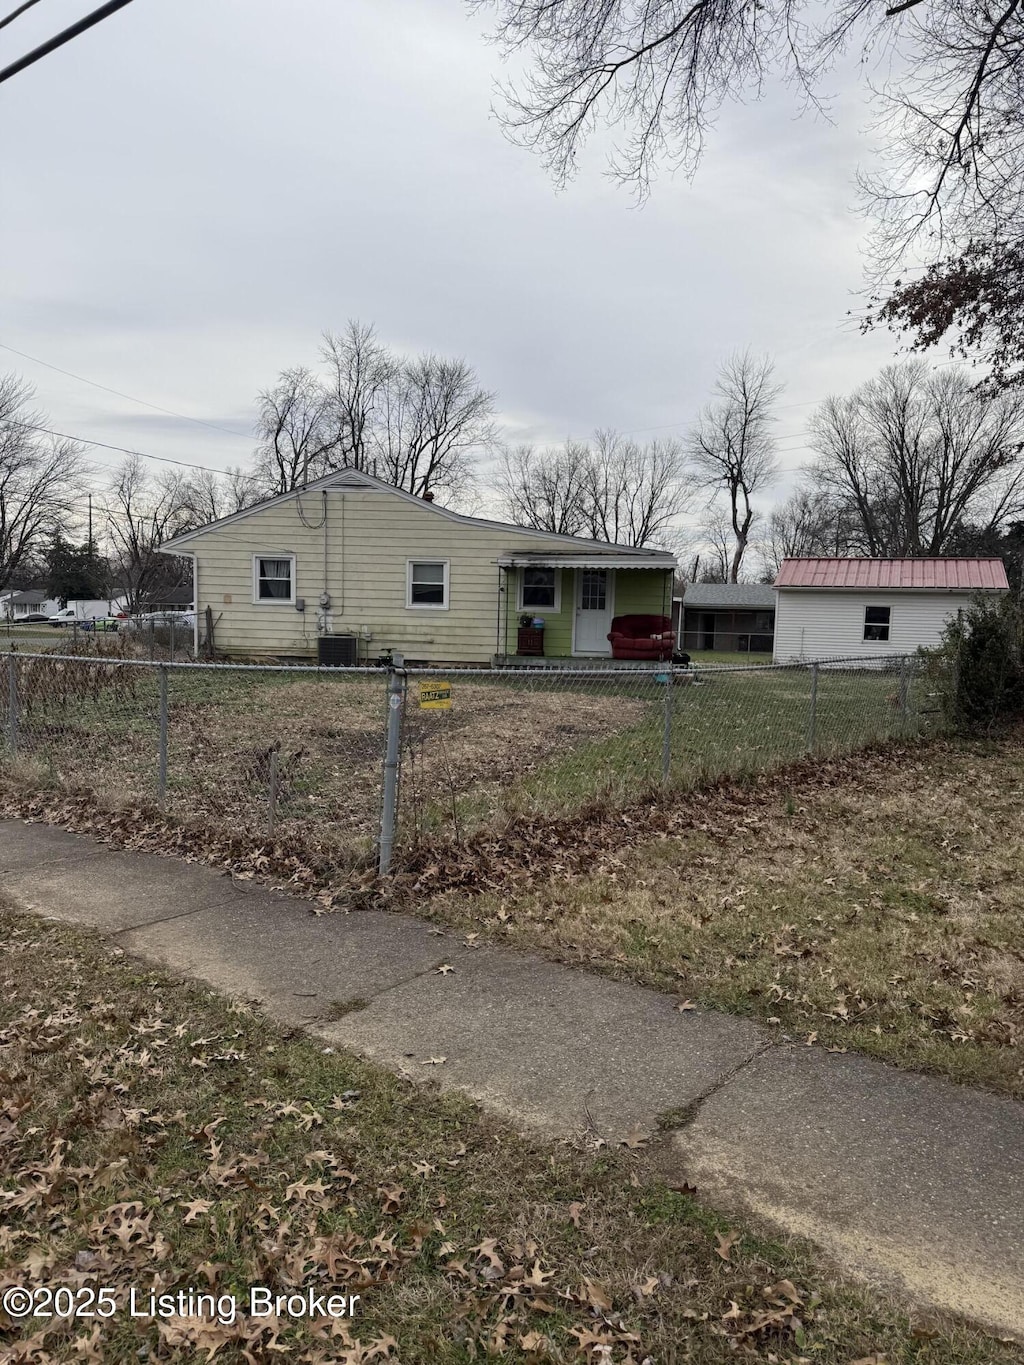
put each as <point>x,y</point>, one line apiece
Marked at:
<point>904,1179</point>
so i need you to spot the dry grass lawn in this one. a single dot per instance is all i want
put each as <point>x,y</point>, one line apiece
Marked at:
<point>152,1135</point>
<point>883,911</point>
<point>90,727</point>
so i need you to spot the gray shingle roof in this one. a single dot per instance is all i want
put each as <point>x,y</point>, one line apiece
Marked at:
<point>728,596</point>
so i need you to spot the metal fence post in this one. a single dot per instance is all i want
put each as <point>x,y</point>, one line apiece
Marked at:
<point>171,624</point>
<point>12,703</point>
<point>389,811</point>
<point>666,736</point>
<point>152,639</point>
<point>904,693</point>
<point>272,793</point>
<point>812,715</point>
<point>161,780</point>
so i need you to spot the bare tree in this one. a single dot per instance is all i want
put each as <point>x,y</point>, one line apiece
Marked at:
<point>207,496</point>
<point>634,493</point>
<point>413,422</point>
<point>432,414</point>
<point>659,70</point>
<point>296,437</point>
<point>360,368</point>
<point>39,476</point>
<point>614,490</point>
<point>808,523</point>
<point>732,447</point>
<point>713,565</point>
<point>545,489</point>
<point>913,456</point>
<point>146,511</point>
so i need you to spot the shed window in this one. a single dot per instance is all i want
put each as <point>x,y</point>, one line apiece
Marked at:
<point>539,588</point>
<point>428,583</point>
<point>273,578</point>
<point>876,623</point>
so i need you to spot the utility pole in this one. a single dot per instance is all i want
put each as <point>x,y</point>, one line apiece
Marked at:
<point>90,526</point>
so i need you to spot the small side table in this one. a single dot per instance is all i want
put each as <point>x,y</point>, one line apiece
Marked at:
<point>529,640</point>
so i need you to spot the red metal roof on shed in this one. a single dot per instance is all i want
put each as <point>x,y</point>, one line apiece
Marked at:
<point>965,574</point>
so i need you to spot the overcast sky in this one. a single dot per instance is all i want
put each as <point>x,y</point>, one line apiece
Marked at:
<point>194,190</point>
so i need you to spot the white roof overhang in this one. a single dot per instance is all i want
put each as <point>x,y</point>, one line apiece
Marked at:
<point>595,561</point>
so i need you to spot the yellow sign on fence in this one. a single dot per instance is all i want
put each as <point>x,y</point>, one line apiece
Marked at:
<point>435,696</point>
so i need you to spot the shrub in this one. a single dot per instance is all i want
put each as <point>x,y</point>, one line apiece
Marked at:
<point>982,655</point>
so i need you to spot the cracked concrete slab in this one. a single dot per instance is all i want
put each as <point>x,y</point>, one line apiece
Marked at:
<point>903,1178</point>
<point>299,966</point>
<point>558,1049</point>
<point>108,889</point>
<point>25,846</point>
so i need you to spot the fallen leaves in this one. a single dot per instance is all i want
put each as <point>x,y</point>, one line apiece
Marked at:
<point>725,1243</point>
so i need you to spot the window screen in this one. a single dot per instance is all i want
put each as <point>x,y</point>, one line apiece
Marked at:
<point>273,579</point>
<point>538,587</point>
<point>876,623</point>
<point>427,585</point>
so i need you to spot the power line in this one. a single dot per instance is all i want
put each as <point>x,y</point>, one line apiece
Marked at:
<point>169,412</point>
<point>125,450</point>
<point>14,13</point>
<point>65,36</point>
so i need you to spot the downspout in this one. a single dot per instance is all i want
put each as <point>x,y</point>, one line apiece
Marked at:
<point>508,594</point>
<point>498,651</point>
<point>194,556</point>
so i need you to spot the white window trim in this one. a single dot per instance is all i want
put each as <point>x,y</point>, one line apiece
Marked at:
<point>558,590</point>
<point>259,601</point>
<point>864,623</point>
<point>426,606</point>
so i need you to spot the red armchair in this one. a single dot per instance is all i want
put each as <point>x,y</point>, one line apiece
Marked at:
<point>642,637</point>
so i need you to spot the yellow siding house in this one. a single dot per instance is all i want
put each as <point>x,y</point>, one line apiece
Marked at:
<point>369,569</point>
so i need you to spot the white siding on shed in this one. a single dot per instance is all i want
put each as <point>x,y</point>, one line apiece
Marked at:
<point>829,623</point>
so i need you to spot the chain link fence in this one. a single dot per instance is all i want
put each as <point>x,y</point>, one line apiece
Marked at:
<point>132,638</point>
<point>359,763</point>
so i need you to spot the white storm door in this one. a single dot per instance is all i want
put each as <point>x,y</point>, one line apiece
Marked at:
<point>594,611</point>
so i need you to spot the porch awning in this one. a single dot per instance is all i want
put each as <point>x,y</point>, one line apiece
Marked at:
<point>665,563</point>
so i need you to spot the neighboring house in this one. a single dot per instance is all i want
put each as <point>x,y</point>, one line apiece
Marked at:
<point>171,599</point>
<point>350,567</point>
<point>14,605</point>
<point>737,618</point>
<point>856,608</point>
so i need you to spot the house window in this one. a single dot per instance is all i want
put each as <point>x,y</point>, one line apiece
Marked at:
<point>876,623</point>
<point>428,584</point>
<point>539,588</point>
<point>273,578</point>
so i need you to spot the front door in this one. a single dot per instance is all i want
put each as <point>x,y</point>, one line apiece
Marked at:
<point>594,611</point>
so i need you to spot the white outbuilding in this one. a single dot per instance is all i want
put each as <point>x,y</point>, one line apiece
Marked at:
<point>866,608</point>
